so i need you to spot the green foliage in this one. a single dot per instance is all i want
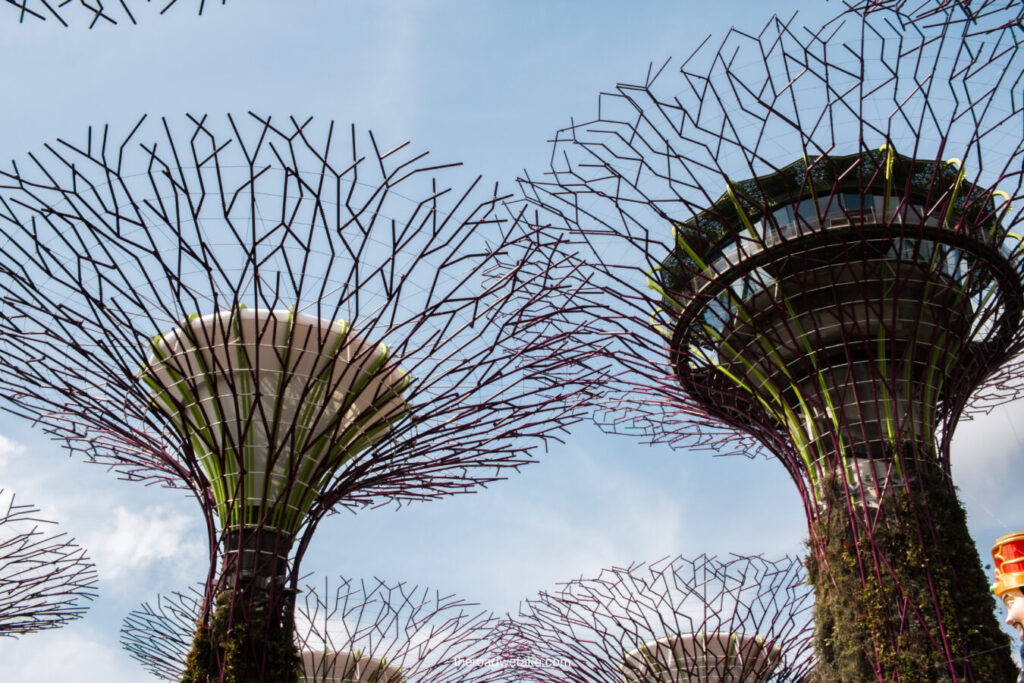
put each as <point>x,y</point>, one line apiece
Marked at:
<point>869,582</point>
<point>239,637</point>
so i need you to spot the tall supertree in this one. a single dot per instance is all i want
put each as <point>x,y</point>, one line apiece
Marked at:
<point>44,578</point>
<point>737,619</point>
<point>285,320</point>
<point>358,631</point>
<point>806,237</point>
<point>93,13</point>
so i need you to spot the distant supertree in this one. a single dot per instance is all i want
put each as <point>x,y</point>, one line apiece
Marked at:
<point>740,619</point>
<point>44,578</point>
<point>807,239</point>
<point>366,631</point>
<point>93,12</point>
<point>282,325</point>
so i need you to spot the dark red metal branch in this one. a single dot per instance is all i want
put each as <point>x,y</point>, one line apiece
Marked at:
<point>93,13</point>
<point>44,577</point>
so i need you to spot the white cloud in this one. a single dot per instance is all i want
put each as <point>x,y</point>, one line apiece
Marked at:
<point>140,541</point>
<point>9,448</point>
<point>73,653</point>
<point>985,460</point>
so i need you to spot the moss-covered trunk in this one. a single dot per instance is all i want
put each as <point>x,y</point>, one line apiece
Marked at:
<point>249,636</point>
<point>901,595</point>
<point>248,640</point>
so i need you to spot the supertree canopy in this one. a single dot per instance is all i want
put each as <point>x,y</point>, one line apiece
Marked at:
<point>93,13</point>
<point>808,240</point>
<point>737,620</point>
<point>980,16</point>
<point>269,318</point>
<point>44,578</point>
<point>357,632</point>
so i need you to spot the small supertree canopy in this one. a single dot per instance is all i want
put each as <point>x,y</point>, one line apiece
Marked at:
<point>159,635</point>
<point>415,634</point>
<point>44,578</point>
<point>93,13</point>
<point>738,619</point>
<point>355,631</point>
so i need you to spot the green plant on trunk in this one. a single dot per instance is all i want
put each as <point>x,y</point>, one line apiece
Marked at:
<point>233,640</point>
<point>857,608</point>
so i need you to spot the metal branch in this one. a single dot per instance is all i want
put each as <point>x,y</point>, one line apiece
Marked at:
<point>44,578</point>
<point>93,13</point>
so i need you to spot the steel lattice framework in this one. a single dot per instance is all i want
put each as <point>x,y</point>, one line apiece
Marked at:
<point>94,12</point>
<point>741,619</point>
<point>266,316</point>
<point>371,631</point>
<point>808,239</point>
<point>44,578</point>
<point>975,16</point>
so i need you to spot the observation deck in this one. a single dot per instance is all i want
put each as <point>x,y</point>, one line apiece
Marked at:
<point>848,306</point>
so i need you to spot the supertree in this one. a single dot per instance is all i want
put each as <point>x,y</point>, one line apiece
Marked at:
<point>805,239</point>
<point>93,12</point>
<point>358,632</point>
<point>712,620</point>
<point>283,326</point>
<point>44,578</point>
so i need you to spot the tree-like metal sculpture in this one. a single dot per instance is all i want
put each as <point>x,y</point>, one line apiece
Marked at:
<point>740,619</point>
<point>93,12</point>
<point>366,631</point>
<point>44,578</point>
<point>282,325</point>
<point>809,238</point>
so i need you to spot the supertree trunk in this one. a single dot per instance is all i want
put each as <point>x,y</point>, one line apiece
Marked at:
<point>283,321</point>
<point>810,242</point>
<point>921,609</point>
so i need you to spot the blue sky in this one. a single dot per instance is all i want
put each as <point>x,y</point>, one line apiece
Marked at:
<point>482,82</point>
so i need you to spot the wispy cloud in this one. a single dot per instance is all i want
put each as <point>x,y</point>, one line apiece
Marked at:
<point>8,449</point>
<point>985,459</point>
<point>154,538</point>
<point>81,656</point>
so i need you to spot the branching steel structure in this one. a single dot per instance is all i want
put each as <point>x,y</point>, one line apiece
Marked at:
<point>44,578</point>
<point>283,319</point>
<point>739,619</point>
<point>844,284</point>
<point>371,631</point>
<point>976,16</point>
<point>93,12</point>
